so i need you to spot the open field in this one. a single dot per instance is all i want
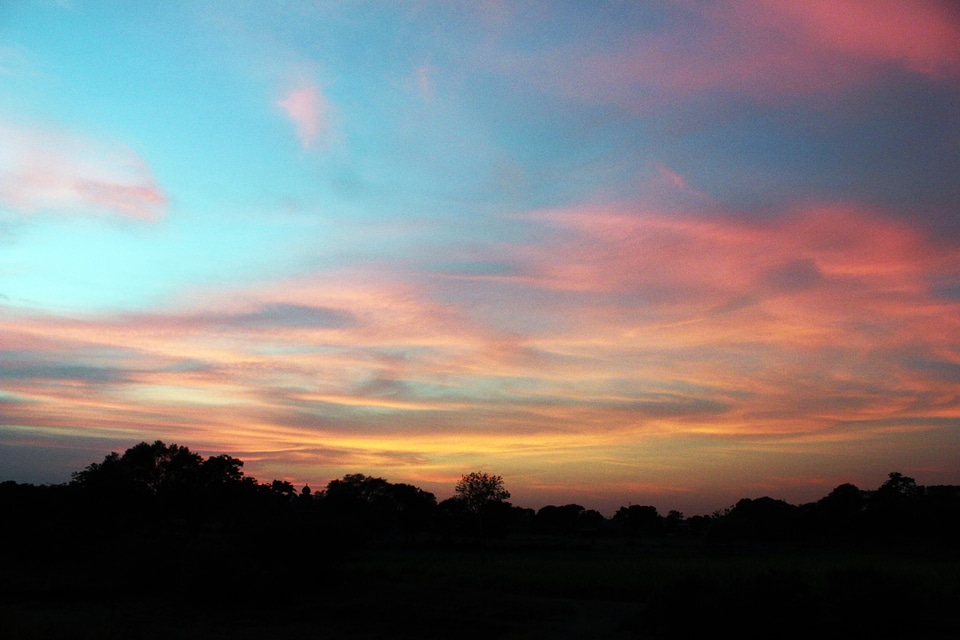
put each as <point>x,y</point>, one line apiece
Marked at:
<point>514,588</point>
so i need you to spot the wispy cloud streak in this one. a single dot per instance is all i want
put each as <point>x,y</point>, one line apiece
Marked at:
<point>49,170</point>
<point>767,51</point>
<point>627,327</point>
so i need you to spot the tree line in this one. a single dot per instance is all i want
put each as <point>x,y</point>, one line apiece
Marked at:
<point>168,489</point>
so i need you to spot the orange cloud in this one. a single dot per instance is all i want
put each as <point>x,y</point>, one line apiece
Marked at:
<point>621,350</point>
<point>649,321</point>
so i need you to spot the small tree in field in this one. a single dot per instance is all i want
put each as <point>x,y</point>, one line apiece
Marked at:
<point>479,489</point>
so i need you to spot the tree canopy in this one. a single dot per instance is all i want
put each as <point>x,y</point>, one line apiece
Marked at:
<point>160,485</point>
<point>477,490</point>
<point>158,469</point>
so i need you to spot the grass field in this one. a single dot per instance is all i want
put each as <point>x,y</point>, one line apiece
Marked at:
<point>512,588</point>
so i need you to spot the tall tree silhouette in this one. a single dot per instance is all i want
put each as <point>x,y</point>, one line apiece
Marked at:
<point>156,479</point>
<point>479,492</point>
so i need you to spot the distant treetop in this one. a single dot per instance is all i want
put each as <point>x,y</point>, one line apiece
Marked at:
<point>479,489</point>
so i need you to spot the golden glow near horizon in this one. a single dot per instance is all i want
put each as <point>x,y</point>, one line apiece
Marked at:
<point>575,277</point>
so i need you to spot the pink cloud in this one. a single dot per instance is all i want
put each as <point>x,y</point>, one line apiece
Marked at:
<point>769,51</point>
<point>424,75</point>
<point>807,315</point>
<point>922,36</point>
<point>309,112</point>
<point>611,249</point>
<point>54,170</point>
<point>635,335</point>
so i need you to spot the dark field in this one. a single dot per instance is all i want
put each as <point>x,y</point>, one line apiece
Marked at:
<point>520,587</point>
<point>159,543</point>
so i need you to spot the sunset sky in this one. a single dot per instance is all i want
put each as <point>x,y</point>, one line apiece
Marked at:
<point>670,253</point>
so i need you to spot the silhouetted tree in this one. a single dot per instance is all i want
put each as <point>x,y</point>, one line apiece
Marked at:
<point>673,523</point>
<point>564,520</point>
<point>699,525</point>
<point>942,507</point>
<point>156,480</point>
<point>355,488</point>
<point>591,522</point>
<point>899,486</point>
<point>453,517</point>
<point>170,490</point>
<point>159,467</point>
<point>109,476</point>
<point>477,490</point>
<point>482,494</point>
<point>156,469</point>
<point>283,488</point>
<point>372,505</point>
<point>147,481</point>
<point>894,508</point>
<point>569,519</point>
<point>413,508</point>
<point>760,519</point>
<point>844,501</point>
<point>840,512</point>
<point>639,520</point>
<point>221,470</point>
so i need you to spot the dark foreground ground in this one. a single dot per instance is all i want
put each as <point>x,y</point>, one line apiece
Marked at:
<point>152,587</point>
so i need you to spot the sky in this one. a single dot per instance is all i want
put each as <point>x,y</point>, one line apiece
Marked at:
<point>673,253</point>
